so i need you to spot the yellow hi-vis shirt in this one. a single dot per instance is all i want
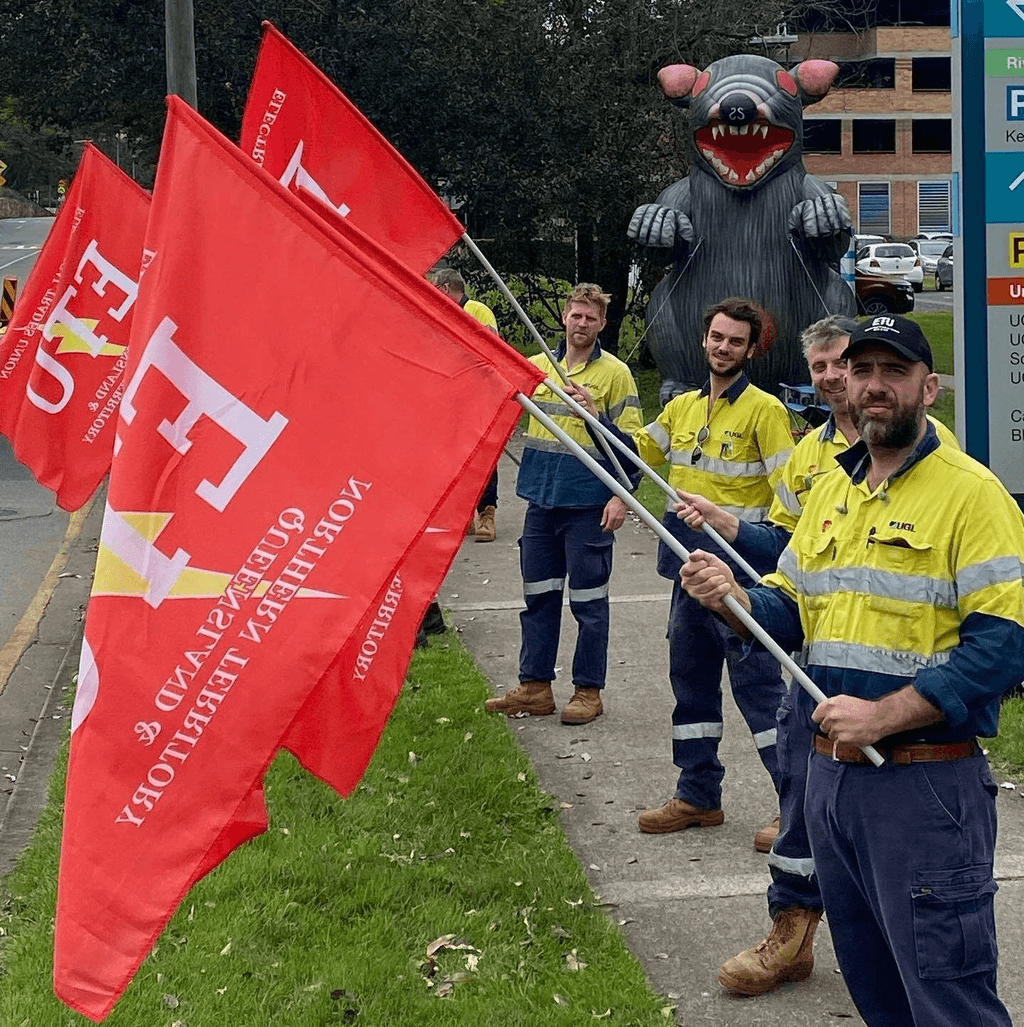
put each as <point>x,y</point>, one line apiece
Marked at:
<point>549,474</point>
<point>883,579</point>
<point>814,455</point>
<point>738,466</point>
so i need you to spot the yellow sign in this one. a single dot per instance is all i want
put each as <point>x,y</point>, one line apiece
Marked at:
<point>1016,240</point>
<point>3,168</point>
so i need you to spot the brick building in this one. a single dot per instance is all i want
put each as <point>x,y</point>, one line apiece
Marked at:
<point>883,135</point>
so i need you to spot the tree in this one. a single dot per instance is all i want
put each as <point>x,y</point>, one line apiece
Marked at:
<point>543,122</point>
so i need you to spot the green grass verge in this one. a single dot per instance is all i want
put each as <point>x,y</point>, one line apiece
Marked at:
<point>1006,750</point>
<point>938,326</point>
<point>326,919</point>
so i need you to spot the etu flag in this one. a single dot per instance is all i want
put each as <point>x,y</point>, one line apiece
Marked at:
<point>63,356</point>
<point>302,129</point>
<point>262,499</point>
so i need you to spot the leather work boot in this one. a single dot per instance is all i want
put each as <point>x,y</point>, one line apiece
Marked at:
<point>584,706</point>
<point>533,697</point>
<point>677,815</point>
<point>764,838</point>
<point>485,528</point>
<point>433,620</point>
<point>787,954</point>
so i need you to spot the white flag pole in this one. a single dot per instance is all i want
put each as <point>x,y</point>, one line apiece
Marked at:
<point>677,547</point>
<point>651,473</point>
<point>605,436</point>
<point>524,317</point>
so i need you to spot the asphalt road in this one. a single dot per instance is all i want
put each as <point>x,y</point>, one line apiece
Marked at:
<point>32,527</point>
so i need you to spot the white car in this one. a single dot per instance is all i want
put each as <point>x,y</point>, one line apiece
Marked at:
<point>891,260</point>
<point>929,250</point>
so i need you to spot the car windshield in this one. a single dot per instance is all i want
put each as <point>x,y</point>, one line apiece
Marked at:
<point>895,250</point>
<point>930,248</point>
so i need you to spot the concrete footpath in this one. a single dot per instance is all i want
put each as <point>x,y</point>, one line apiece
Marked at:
<point>685,902</point>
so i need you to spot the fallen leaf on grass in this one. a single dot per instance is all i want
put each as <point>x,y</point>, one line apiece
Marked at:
<point>560,932</point>
<point>560,1000</point>
<point>600,1016</point>
<point>573,962</point>
<point>413,758</point>
<point>667,1011</point>
<point>520,777</point>
<point>449,941</point>
<point>571,902</point>
<point>171,1001</point>
<point>227,948</point>
<point>442,720</point>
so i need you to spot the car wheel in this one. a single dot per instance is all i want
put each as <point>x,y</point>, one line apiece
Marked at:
<point>876,305</point>
<point>939,287</point>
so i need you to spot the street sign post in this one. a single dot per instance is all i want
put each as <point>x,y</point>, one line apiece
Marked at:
<point>988,160</point>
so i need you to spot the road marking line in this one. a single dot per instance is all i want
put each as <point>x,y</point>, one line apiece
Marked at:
<point>23,634</point>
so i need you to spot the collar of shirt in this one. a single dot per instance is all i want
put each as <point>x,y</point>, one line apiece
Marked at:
<point>464,300</point>
<point>561,351</point>
<point>734,391</point>
<point>856,459</point>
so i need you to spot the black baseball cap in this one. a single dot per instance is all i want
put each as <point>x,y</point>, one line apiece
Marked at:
<point>894,331</point>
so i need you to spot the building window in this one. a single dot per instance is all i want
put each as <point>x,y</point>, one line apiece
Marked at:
<point>874,136</point>
<point>873,208</point>
<point>823,135</point>
<point>930,74</point>
<point>931,135</point>
<point>933,207</point>
<point>874,73</point>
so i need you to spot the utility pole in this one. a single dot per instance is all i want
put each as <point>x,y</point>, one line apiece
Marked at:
<point>181,50</point>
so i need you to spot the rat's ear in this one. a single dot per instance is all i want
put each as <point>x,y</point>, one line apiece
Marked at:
<point>681,82</point>
<point>814,79</point>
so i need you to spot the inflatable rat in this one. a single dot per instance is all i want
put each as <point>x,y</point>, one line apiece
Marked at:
<point>747,221</point>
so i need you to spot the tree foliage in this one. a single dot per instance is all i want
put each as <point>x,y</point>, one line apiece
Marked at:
<point>542,121</point>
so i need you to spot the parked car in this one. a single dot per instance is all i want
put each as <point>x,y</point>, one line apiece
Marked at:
<point>894,259</point>
<point>944,269</point>
<point>948,236</point>
<point>929,250</point>
<point>883,295</point>
<point>860,241</point>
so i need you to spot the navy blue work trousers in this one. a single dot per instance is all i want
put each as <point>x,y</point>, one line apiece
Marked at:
<point>698,646</point>
<point>790,862</point>
<point>904,859</point>
<point>489,497</point>
<point>558,544</point>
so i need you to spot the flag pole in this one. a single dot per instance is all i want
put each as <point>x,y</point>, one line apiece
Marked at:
<point>651,473</point>
<point>605,436</point>
<point>524,317</point>
<point>680,550</point>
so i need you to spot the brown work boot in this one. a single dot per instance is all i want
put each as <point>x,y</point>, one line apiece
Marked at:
<point>764,839</point>
<point>485,528</point>
<point>533,697</point>
<point>787,954</point>
<point>584,706</point>
<point>677,815</point>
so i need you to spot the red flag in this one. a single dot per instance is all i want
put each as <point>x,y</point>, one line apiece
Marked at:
<point>302,129</point>
<point>268,486</point>
<point>63,355</point>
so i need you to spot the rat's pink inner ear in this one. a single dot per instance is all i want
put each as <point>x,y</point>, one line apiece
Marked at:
<point>816,77</point>
<point>677,80</point>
